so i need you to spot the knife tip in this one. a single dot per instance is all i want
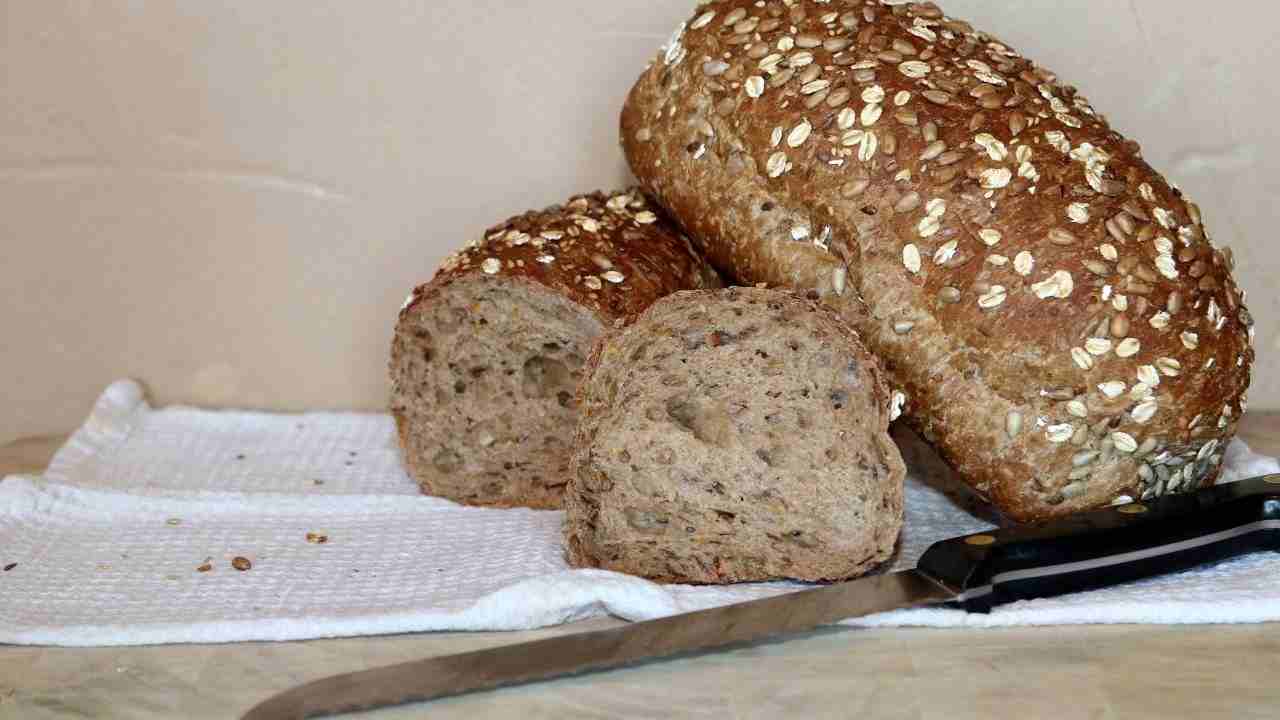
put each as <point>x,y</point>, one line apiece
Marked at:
<point>284,706</point>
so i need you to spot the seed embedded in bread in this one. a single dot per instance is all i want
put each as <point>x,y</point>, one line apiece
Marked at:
<point>1060,227</point>
<point>486,357</point>
<point>734,435</point>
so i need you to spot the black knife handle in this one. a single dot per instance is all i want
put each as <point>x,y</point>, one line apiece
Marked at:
<point>1107,547</point>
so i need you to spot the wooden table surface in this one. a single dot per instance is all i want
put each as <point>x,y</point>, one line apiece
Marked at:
<point>1064,673</point>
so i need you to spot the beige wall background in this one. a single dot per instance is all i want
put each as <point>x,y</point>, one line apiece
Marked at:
<point>229,200</point>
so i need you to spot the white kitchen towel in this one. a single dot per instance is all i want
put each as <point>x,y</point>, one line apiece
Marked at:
<point>132,535</point>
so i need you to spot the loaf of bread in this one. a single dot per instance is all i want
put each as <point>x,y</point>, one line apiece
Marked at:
<point>486,357</point>
<point>734,435</point>
<point>1065,331</point>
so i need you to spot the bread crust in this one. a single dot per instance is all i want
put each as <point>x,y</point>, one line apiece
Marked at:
<point>1063,328</point>
<point>613,254</point>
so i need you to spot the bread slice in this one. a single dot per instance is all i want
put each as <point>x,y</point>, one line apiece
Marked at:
<point>1066,332</point>
<point>734,435</point>
<point>487,356</point>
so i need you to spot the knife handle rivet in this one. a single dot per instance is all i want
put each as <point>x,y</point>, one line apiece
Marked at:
<point>1272,479</point>
<point>1132,509</point>
<point>979,540</point>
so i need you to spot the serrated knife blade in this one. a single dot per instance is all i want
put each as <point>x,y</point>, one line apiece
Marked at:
<point>568,654</point>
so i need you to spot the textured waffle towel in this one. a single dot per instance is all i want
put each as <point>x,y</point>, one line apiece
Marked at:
<point>131,535</point>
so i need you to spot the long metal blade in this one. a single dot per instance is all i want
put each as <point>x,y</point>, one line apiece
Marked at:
<point>544,659</point>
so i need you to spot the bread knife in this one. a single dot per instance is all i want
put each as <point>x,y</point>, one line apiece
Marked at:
<point>1120,544</point>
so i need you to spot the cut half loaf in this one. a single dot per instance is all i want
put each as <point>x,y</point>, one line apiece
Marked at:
<point>734,435</point>
<point>486,357</point>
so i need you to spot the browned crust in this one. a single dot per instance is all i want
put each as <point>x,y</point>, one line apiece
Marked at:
<point>992,350</point>
<point>612,254</point>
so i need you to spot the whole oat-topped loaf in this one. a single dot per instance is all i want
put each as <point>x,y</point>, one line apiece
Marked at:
<point>486,357</point>
<point>1063,328</point>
